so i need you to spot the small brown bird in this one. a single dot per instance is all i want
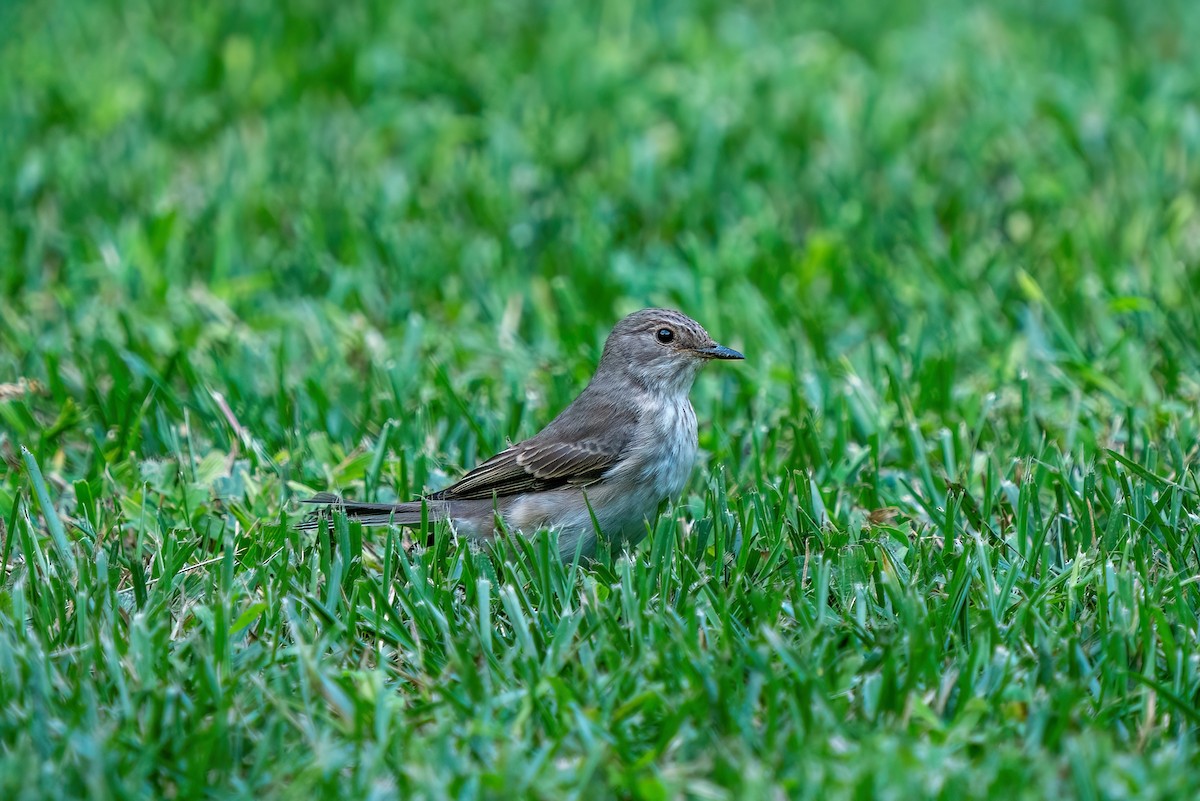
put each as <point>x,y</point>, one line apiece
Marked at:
<point>611,458</point>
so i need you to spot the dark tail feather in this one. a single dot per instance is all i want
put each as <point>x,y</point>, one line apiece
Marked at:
<point>372,514</point>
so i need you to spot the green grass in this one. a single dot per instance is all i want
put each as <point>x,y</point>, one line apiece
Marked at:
<point>944,540</point>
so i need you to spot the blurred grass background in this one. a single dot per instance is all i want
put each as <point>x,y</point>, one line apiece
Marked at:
<point>943,540</point>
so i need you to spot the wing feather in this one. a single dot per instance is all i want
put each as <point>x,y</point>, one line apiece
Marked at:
<point>534,467</point>
<point>577,448</point>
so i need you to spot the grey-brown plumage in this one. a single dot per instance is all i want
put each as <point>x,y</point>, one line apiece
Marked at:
<point>620,449</point>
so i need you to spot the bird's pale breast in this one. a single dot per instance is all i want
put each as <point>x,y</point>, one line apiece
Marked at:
<point>660,460</point>
<point>665,449</point>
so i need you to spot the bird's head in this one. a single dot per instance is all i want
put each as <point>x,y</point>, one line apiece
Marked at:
<point>661,350</point>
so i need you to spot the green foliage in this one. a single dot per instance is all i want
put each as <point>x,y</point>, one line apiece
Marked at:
<point>945,539</point>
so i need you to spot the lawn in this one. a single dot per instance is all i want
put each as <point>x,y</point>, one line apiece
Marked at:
<point>943,539</point>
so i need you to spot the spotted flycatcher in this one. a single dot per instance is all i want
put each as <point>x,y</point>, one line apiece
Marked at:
<point>607,462</point>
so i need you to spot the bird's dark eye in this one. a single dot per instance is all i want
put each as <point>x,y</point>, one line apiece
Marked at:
<point>665,335</point>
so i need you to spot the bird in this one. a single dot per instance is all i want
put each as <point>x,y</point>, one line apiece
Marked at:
<point>604,466</point>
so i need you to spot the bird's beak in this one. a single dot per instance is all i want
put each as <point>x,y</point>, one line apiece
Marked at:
<point>719,352</point>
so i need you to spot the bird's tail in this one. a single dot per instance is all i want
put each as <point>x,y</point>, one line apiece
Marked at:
<point>374,514</point>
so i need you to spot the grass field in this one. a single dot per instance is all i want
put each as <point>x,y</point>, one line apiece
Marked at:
<point>944,537</point>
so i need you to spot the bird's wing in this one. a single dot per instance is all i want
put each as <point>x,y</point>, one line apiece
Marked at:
<point>536,466</point>
<point>587,439</point>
